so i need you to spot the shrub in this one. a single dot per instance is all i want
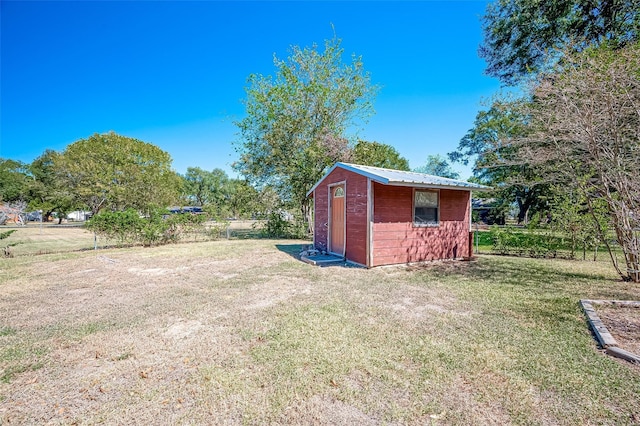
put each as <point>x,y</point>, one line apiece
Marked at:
<point>217,229</point>
<point>128,227</point>
<point>124,227</point>
<point>526,242</point>
<point>278,227</point>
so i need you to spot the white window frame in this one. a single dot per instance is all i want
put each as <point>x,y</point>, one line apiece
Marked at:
<point>413,209</point>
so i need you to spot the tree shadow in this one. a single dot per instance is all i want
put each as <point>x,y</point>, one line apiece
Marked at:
<point>433,243</point>
<point>538,276</point>
<point>293,250</point>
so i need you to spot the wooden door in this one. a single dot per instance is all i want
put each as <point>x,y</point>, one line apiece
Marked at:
<point>337,231</point>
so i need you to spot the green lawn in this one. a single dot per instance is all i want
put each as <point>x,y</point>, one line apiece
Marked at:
<point>483,243</point>
<point>241,332</point>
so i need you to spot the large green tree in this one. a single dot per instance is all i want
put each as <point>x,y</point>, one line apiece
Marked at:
<point>378,154</point>
<point>242,200</point>
<point>47,191</point>
<point>202,187</point>
<point>296,122</point>
<point>222,196</point>
<point>496,164</point>
<point>523,37</point>
<point>13,180</point>
<point>438,166</point>
<point>117,172</point>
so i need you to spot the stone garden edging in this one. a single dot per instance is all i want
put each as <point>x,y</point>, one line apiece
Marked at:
<point>606,340</point>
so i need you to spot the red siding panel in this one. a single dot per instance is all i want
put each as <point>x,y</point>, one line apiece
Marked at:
<point>321,217</point>
<point>396,240</point>
<point>356,218</point>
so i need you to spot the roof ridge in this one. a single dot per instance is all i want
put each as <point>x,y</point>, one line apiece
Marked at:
<point>402,171</point>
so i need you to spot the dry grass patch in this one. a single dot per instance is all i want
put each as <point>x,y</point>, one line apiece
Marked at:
<point>33,239</point>
<point>240,332</point>
<point>36,239</point>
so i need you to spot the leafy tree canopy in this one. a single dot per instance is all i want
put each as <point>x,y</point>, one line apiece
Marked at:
<point>13,180</point>
<point>117,172</point>
<point>438,166</point>
<point>202,187</point>
<point>583,131</point>
<point>242,199</point>
<point>378,155</point>
<point>495,162</point>
<point>296,121</point>
<point>523,37</point>
<point>47,191</point>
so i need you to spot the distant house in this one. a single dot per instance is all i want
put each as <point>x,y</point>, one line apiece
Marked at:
<point>373,216</point>
<point>186,209</point>
<point>79,215</point>
<point>483,209</point>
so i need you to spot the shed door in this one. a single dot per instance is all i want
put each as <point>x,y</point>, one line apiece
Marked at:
<point>337,214</point>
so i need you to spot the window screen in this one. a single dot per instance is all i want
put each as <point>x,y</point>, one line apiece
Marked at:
<point>425,207</point>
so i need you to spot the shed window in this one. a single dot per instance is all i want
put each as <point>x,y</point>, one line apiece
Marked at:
<point>425,208</point>
<point>339,192</point>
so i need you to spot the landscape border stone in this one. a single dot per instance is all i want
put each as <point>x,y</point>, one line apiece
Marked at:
<point>606,340</point>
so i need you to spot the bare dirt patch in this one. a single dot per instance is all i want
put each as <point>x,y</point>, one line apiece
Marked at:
<point>623,322</point>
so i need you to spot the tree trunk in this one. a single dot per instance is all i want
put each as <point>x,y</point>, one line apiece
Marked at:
<point>307,215</point>
<point>524,204</point>
<point>627,239</point>
<point>602,235</point>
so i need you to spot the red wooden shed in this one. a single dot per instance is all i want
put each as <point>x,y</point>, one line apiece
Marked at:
<point>373,216</point>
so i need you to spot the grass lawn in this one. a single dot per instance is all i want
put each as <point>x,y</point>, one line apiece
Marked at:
<point>241,332</point>
<point>36,239</point>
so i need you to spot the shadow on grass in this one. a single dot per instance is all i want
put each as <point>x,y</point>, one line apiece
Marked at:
<point>538,277</point>
<point>529,293</point>
<point>538,271</point>
<point>292,250</point>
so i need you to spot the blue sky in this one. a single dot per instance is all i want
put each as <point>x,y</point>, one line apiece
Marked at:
<point>174,73</point>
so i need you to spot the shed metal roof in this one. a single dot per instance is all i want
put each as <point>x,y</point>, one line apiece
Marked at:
<point>402,178</point>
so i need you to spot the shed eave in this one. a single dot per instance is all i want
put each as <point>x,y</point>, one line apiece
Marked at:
<point>372,176</point>
<point>480,188</point>
<point>348,167</point>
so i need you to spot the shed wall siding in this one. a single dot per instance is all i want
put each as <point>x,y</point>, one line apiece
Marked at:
<point>396,240</point>
<point>356,213</point>
<point>320,217</point>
